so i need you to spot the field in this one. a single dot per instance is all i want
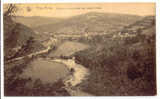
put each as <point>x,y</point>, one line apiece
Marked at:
<point>68,48</point>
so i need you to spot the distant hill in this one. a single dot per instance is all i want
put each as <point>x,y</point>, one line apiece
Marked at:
<point>90,23</point>
<point>145,23</point>
<point>35,21</point>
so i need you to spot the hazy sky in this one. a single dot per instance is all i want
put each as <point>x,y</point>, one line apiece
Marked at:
<point>72,9</point>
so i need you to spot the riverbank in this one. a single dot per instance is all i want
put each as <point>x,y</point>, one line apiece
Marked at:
<point>74,79</point>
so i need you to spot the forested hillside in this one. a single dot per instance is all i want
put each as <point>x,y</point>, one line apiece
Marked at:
<point>124,65</point>
<point>17,36</point>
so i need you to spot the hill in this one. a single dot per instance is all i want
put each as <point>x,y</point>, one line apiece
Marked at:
<point>16,36</point>
<point>140,25</point>
<point>123,65</point>
<point>90,23</point>
<point>35,21</point>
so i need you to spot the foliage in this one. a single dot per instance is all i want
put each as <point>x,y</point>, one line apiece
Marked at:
<point>120,67</point>
<point>10,10</point>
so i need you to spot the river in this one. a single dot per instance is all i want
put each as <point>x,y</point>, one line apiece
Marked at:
<point>79,75</point>
<point>50,70</point>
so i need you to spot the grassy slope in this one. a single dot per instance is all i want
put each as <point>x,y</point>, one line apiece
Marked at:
<point>119,67</point>
<point>70,48</point>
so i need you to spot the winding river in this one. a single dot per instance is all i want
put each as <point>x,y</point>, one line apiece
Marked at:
<point>50,70</point>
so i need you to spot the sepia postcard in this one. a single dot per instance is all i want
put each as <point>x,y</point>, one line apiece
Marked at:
<point>79,49</point>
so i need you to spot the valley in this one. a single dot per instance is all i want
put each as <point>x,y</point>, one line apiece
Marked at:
<point>104,55</point>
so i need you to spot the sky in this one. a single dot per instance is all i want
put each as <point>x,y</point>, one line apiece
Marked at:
<point>63,10</point>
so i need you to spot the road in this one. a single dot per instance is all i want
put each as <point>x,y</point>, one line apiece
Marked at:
<point>30,55</point>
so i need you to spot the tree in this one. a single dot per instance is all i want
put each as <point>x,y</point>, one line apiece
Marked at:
<point>28,46</point>
<point>10,10</point>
